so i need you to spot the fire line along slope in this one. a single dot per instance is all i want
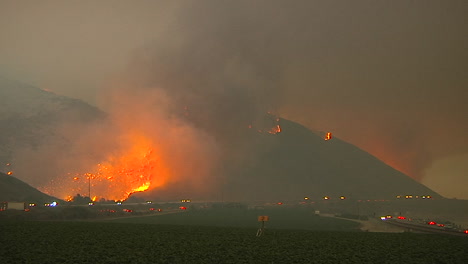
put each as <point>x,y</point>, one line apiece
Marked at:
<point>298,162</point>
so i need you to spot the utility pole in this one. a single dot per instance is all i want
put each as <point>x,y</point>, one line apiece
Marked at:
<point>89,188</point>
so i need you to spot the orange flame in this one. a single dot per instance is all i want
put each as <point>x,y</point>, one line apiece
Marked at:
<point>142,188</point>
<point>275,130</point>
<point>10,173</point>
<point>136,170</point>
<point>328,136</point>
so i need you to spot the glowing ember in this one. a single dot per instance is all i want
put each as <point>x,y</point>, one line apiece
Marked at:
<point>266,128</point>
<point>328,136</point>
<point>275,130</point>
<point>10,173</point>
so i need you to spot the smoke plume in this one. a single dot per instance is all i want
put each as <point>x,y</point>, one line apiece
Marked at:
<point>388,78</point>
<point>380,89</point>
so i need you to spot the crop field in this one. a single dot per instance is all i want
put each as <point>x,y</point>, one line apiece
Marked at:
<point>279,219</point>
<point>98,242</point>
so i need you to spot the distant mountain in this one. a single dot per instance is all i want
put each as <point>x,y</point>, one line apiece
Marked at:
<point>15,190</point>
<point>30,116</point>
<point>21,100</point>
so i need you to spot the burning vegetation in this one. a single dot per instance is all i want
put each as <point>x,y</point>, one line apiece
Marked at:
<point>7,169</point>
<point>275,130</point>
<point>134,170</point>
<point>271,125</point>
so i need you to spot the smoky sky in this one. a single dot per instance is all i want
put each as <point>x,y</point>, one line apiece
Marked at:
<point>387,76</point>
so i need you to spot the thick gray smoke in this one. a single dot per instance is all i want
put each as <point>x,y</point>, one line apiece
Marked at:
<point>215,67</point>
<point>389,78</point>
<point>373,74</point>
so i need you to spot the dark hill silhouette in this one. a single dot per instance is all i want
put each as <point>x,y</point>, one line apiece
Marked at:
<point>15,190</point>
<point>299,163</point>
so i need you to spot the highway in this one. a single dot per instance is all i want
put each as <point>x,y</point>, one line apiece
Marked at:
<point>424,227</point>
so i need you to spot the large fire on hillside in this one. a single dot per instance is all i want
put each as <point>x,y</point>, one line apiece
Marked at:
<point>134,170</point>
<point>142,145</point>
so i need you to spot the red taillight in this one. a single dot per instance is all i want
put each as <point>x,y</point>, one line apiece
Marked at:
<point>466,231</point>
<point>441,225</point>
<point>401,217</point>
<point>183,208</point>
<point>431,223</point>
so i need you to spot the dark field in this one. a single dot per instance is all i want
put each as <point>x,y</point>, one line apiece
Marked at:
<point>97,242</point>
<point>288,218</point>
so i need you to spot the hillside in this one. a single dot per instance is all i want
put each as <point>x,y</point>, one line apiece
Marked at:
<point>30,116</point>
<point>254,164</point>
<point>20,100</point>
<point>14,190</point>
<point>299,163</point>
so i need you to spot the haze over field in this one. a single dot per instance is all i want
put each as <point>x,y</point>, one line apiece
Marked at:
<point>388,77</point>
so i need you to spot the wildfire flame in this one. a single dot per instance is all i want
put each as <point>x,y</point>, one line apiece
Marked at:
<point>328,136</point>
<point>136,170</point>
<point>142,188</point>
<point>275,130</point>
